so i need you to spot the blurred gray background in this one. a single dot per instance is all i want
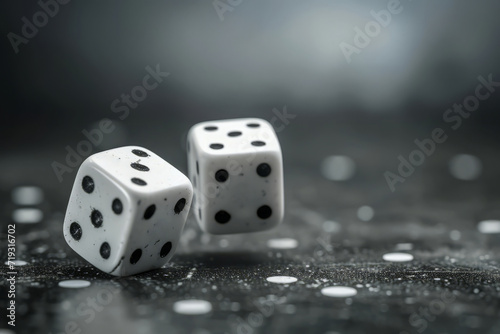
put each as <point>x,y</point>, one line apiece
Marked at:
<point>349,122</point>
<point>246,59</point>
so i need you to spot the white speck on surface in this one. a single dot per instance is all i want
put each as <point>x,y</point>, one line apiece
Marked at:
<point>205,239</point>
<point>74,284</point>
<point>331,226</point>
<point>27,216</point>
<point>28,195</point>
<point>282,243</point>
<point>397,257</point>
<point>465,167</point>
<point>489,226</point>
<point>338,168</point>
<point>190,273</point>
<point>281,279</point>
<point>192,307</point>
<point>410,300</point>
<point>455,235</point>
<point>365,213</point>
<point>223,243</point>
<point>16,263</point>
<point>339,291</point>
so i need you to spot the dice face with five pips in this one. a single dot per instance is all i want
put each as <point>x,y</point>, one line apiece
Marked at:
<point>237,172</point>
<point>127,210</point>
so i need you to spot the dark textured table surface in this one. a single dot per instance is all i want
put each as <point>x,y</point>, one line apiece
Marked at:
<point>335,233</point>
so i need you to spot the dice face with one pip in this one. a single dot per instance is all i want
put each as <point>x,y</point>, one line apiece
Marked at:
<point>127,210</point>
<point>237,172</point>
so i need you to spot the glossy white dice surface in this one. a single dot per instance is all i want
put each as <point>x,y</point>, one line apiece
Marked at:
<point>237,173</point>
<point>127,210</point>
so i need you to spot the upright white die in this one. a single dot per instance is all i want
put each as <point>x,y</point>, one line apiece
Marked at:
<point>237,172</point>
<point>127,210</point>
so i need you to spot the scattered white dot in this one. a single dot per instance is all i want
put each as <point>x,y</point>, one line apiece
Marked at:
<point>365,213</point>
<point>27,216</point>
<point>16,263</point>
<point>404,246</point>
<point>192,307</point>
<point>397,257</point>
<point>489,226</point>
<point>74,284</point>
<point>282,243</point>
<point>339,291</point>
<point>331,226</point>
<point>455,235</point>
<point>27,195</point>
<point>410,300</point>
<point>465,167</point>
<point>188,235</point>
<point>223,243</point>
<point>338,168</point>
<point>205,239</point>
<point>281,279</point>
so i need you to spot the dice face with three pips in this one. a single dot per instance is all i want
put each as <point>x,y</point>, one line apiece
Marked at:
<point>127,210</point>
<point>237,172</point>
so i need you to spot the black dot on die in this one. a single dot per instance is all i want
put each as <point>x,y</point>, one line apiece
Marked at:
<point>139,182</point>
<point>264,212</point>
<point>258,143</point>
<point>179,206</point>
<point>199,213</point>
<point>117,206</point>
<point>149,211</point>
<point>197,168</point>
<point>105,250</point>
<point>96,218</point>
<point>75,230</point>
<point>211,128</point>
<point>139,167</point>
<point>222,217</point>
<point>234,134</point>
<point>140,153</point>
<point>136,256</point>
<point>166,248</point>
<point>263,170</point>
<point>221,175</point>
<point>253,125</point>
<point>216,146</point>
<point>88,184</point>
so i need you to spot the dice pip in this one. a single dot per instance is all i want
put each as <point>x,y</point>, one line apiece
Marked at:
<point>127,210</point>
<point>237,172</point>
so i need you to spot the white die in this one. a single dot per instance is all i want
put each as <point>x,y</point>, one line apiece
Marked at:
<point>127,210</point>
<point>237,172</point>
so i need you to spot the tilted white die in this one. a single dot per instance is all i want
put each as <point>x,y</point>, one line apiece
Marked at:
<point>127,210</point>
<point>237,172</point>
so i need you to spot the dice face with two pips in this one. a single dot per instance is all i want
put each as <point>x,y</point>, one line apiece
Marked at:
<point>237,173</point>
<point>127,210</point>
